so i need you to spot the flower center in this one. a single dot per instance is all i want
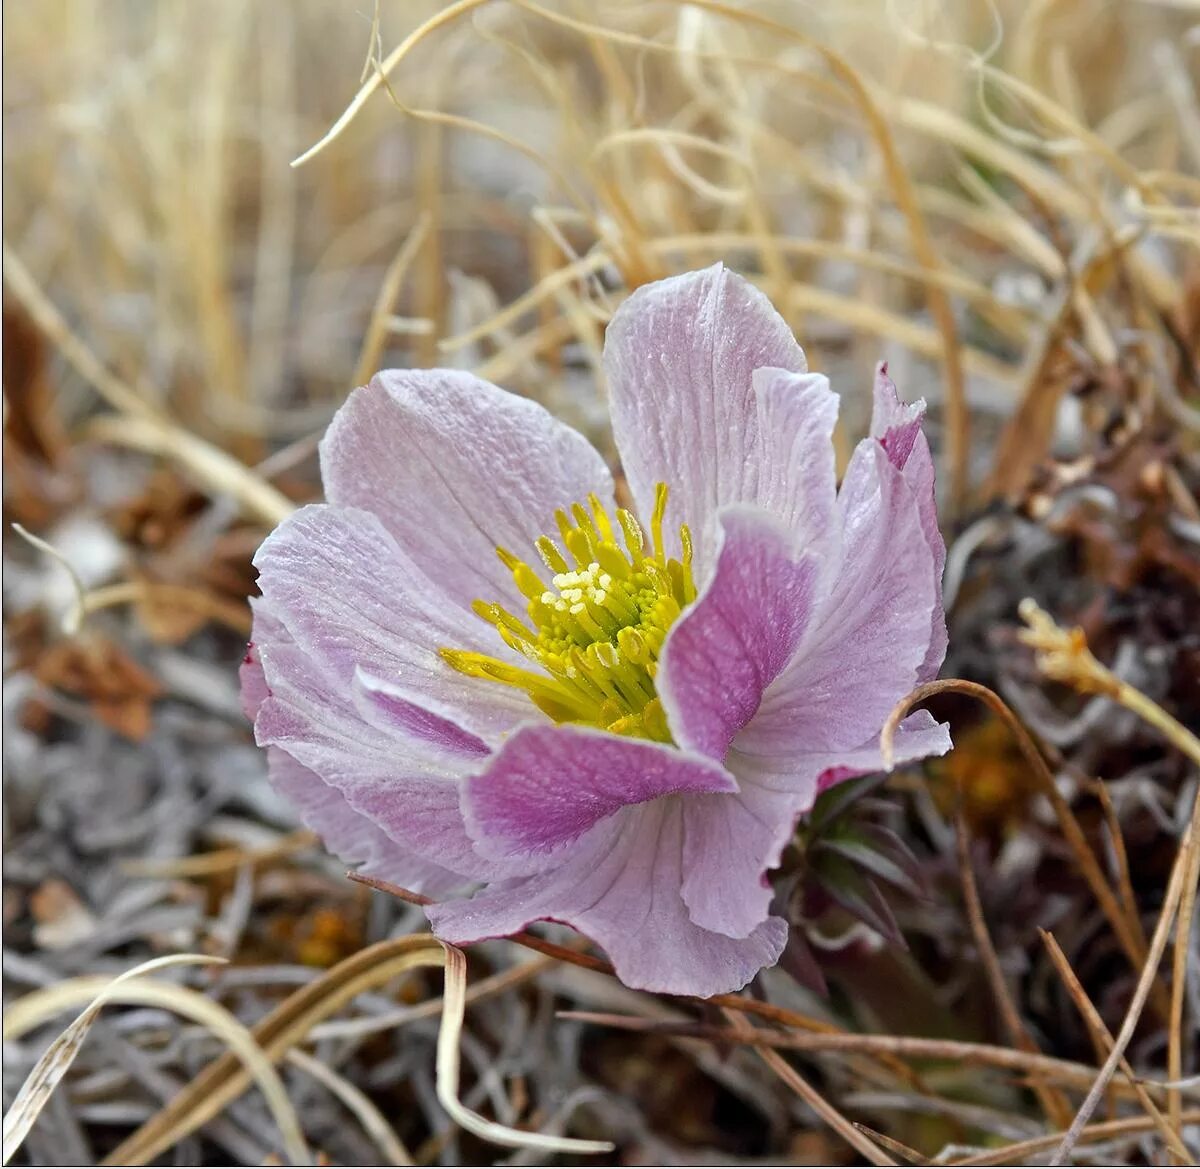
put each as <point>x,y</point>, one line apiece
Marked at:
<point>596,634</point>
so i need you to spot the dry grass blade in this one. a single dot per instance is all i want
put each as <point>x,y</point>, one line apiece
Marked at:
<point>1064,655</point>
<point>892,1145</point>
<point>58,1057</point>
<point>291,1023</point>
<point>377,330</point>
<point>1019,1153</point>
<point>35,1008</point>
<point>50,321</point>
<point>485,988</point>
<point>209,465</point>
<point>372,1120</point>
<point>1124,876</point>
<point>142,424</point>
<point>222,860</point>
<point>854,1136</point>
<point>1061,1071</point>
<point>453,1010</point>
<point>232,614</point>
<point>1179,975</point>
<point>73,618</point>
<point>1053,1103</point>
<point>285,1027</point>
<point>1096,1026</point>
<point>1128,934</point>
<point>1185,871</point>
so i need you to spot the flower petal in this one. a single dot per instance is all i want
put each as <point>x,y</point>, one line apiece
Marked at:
<point>732,841</point>
<point>352,600</point>
<point>352,836</point>
<point>805,776</point>
<point>547,786</point>
<point>862,651</point>
<point>620,885</point>
<point>918,737</point>
<point>389,702</point>
<point>253,685</point>
<point>679,355</point>
<point>729,844</point>
<point>732,643</point>
<point>412,799</point>
<point>797,414</point>
<point>454,467</point>
<point>898,428</point>
<point>896,424</point>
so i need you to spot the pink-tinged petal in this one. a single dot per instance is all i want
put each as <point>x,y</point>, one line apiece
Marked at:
<point>335,579</point>
<point>898,427</point>
<point>804,776</point>
<point>863,649</point>
<point>253,685</point>
<point>266,630</point>
<point>732,643</point>
<point>680,356</point>
<point>620,885</point>
<point>547,786</point>
<point>896,424</point>
<point>797,414</point>
<point>918,737</point>
<point>390,704</point>
<point>729,844</point>
<point>455,467</point>
<point>411,797</point>
<point>352,836</point>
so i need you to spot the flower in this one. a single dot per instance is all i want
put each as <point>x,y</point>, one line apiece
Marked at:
<point>472,671</point>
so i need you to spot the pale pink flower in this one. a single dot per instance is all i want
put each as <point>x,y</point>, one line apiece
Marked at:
<point>607,723</point>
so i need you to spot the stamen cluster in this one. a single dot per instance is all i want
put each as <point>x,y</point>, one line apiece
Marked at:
<point>595,636</point>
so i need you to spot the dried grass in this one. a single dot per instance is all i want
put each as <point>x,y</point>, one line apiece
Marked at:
<point>1000,198</point>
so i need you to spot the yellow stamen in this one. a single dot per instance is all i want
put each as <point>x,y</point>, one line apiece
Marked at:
<point>656,519</point>
<point>595,634</point>
<point>634,540</point>
<point>551,556</point>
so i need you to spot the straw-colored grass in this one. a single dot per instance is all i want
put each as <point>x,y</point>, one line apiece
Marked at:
<point>220,217</point>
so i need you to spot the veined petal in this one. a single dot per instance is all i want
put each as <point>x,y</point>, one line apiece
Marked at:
<point>352,836</point>
<point>420,735</point>
<point>805,776</point>
<point>323,808</point>
<point>862,651</point>
<point>412,799</point>
<point>729,844</point>
<point>389,702</point>
<point>620,885</point>
<point>454,467</point>
<point>252,683</point>
<point>547,786</point>
<point>352,600</point>
<point>680,355</point>
<point>732,643</point>
<point>797,413</point>
<point>918,737</point>
<point>897,425</point>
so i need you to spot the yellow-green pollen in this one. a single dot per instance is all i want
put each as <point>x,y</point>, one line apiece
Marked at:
<point>596,632</point>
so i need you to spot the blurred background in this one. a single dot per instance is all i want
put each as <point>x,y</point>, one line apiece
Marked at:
<point>998,198</point>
